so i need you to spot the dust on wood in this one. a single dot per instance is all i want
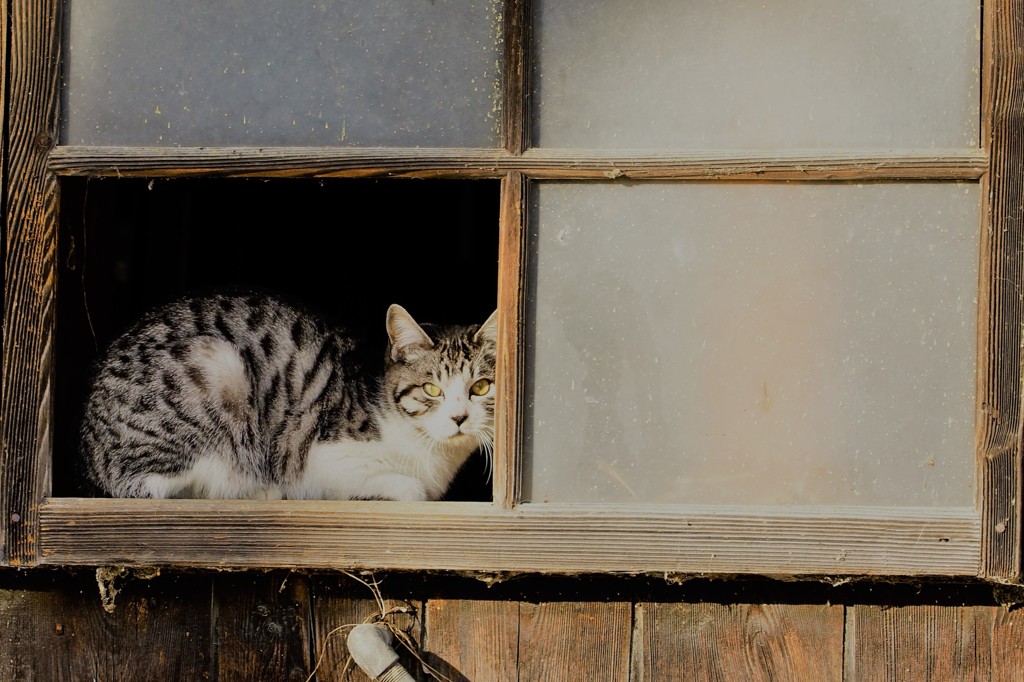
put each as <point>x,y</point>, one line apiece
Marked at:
<point>110,580</point>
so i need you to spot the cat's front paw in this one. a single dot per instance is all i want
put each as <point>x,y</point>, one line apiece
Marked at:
<point>400,488</point>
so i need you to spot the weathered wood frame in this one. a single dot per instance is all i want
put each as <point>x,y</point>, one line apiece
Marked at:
<point>503,536</point>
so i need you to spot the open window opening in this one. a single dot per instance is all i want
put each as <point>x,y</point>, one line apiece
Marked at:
<point>344,248</point>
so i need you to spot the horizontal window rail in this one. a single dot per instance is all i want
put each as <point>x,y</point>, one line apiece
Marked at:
<point>326,162</point>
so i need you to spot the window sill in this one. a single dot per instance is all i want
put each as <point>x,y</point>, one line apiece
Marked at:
<point>480,537</point>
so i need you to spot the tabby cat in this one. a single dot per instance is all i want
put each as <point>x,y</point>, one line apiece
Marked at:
<point>246,396</point>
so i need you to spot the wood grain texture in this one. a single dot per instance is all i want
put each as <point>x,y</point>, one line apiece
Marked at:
<point>272,162</point>
<point>277,162</point>
<point>472,640</point>
<point>574,641</point>
<point>915,643</point>
<point>3,110</point>
<point>516,84</point>
<point>1001,300</point>
<point>737,642</point>
<point>1004,633</point>
<point>531,538</point>
<point>262,627</point>
<point>339,603</point>
<point>26,400</point>
<point>159,630</point>
<point>509,374</point>
<point>833,164</point>
<point>165,629</point>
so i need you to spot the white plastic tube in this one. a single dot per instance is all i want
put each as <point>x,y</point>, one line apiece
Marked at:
<point>370,646</point>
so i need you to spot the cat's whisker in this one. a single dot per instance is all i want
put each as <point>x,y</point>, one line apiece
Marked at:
<point>488,451</point>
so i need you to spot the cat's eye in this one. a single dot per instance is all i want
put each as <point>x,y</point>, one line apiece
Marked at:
<point>482,387</point>
<point>433,390</point>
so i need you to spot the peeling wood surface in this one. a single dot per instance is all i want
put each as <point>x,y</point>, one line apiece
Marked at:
<point>531,538</point>
<point>271,162</point>
<point>738,642</point>
<point>26,402</point>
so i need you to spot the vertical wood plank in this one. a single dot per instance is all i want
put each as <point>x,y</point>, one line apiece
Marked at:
<point>574,641</point>
<point>737,642</point>
<point>1006,644</point>
<point>515,129</point>
<point>1003,278</point>
<point>262,627</point>
<point>29,266</point>
<point>3,118</point>
<point>37,642</point>
<point>56,629</point>
<point>511,278</point>
<point>471,639</point>
<point>340,603</point>
<point>917,643</point>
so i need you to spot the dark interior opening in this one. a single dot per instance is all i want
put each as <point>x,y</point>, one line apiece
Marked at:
<point>344,248</point>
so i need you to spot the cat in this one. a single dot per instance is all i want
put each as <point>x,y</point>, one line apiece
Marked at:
<point>247,396</point>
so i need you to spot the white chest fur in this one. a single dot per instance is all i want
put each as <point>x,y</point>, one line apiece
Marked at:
<point>402,465</point>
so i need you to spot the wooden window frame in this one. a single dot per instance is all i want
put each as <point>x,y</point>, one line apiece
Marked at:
<point>502,536</point>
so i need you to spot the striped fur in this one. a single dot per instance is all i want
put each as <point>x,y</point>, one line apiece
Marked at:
<point>249,397</point>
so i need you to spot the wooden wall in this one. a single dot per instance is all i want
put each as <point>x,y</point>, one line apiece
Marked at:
<point>276,625</point>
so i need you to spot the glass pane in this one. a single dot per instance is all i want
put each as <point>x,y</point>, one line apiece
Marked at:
<point>749,74</point>
<point>265,72</point>
<point>752,344</point>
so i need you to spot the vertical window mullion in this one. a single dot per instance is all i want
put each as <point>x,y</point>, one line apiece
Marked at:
<point>510,375</point>
<point>515,133</point>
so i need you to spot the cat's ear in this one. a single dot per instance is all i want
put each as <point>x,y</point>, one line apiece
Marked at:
<point>404,333</point>
<point>488,330</point>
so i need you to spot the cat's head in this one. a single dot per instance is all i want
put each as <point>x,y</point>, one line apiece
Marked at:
<point>441,379</point>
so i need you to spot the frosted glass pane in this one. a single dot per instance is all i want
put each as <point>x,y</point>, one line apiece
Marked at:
<point>270,72</point>
<point>752,344</point>
<point>749,74</point>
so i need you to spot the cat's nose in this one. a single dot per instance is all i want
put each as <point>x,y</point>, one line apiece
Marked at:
<point>459,418</point>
